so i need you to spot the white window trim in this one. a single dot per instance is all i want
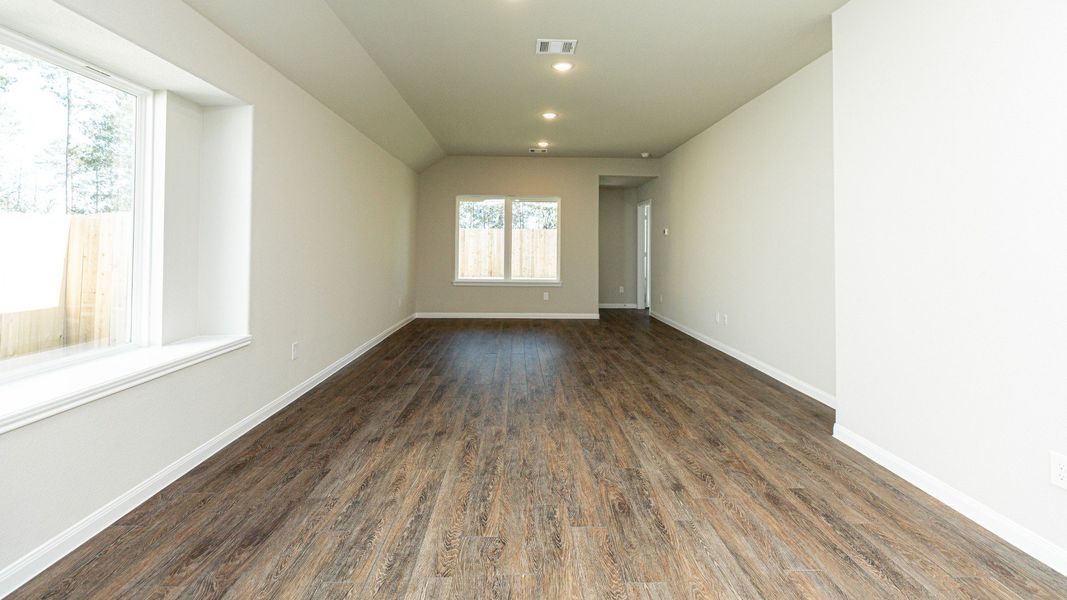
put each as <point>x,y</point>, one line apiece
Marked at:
<point>62,59</point>
<point>507,281</point>
<point>502,283</point>
<point>29,399</point>
<point>42,389</point>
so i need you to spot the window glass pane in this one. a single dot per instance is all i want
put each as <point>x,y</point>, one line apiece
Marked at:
<point>534,239</point>
<point>481,239</point>
<point>66,208</point>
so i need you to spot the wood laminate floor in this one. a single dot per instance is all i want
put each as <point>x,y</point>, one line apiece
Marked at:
<point>545,459</point>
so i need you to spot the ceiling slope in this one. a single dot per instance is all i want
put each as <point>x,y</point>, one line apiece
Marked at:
<point>306,42</point>
<point>648,75</point>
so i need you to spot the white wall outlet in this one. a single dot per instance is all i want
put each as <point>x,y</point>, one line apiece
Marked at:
<point>666,231</point>
<point>295,351</point>
<point>622,290</point>
<point>1059,470</point>
<point>718,318</point>
<point>546,296</point>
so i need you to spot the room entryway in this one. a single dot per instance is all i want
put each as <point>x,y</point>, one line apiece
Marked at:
<point>624,242</point>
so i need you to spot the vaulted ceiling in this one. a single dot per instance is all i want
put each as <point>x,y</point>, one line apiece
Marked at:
<point>427,77</point>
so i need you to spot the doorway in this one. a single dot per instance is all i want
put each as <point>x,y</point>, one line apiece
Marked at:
<point>644,255</point>
<point>620,249</point>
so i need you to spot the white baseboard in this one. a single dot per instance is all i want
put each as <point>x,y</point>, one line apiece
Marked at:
<point>22,570</point>
<point>499,315</point>
<point>1015,534</point>
<point>803,387</point>
<point>618,306</point>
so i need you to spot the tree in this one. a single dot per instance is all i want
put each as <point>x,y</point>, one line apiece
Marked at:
<point>22,172</point>
<point>486,214</point>
<point>535,215</point>
<point>51,75</point>
<point>96,181</point>
<point>11,176</point>
<point>96,152</point>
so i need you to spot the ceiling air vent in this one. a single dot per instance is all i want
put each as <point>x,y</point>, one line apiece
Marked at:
<point>538,150</point>
<point>556,46</point>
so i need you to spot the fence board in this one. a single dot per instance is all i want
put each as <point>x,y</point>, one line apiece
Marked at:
<point>534,253</point>
<point>93,296</point>
<point>481,253</point>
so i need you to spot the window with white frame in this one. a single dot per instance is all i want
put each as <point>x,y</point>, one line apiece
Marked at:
<point>72,143</point>
<point>507,240</point>
<point>124,224</point>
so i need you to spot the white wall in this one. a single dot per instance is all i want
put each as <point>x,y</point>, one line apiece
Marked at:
<point>332,256</point>
<point>224,228</point>
<point>749,208</point>
<point>576,181</point>
<point>618,245</point>
<point>179,126</point>
<point>951,173</point>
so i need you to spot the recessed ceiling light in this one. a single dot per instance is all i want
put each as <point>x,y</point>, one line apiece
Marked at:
<point>563,67</point>
<point>542,144</point>
<point>549,116</point>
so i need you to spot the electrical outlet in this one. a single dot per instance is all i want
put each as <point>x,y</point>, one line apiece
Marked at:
<point>718,318</point>
<point>546,296</point>
<point>666,231</point>
<point>1059,470</point>
<point>295,351</point>
<point>622,290</point>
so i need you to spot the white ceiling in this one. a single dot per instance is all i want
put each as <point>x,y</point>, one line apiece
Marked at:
<point>306,42</point>
<point>648,75</point>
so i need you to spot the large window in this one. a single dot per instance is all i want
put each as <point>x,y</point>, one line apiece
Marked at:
<point>124,223</point>
<point>69,191</point>
<point>501,240</point>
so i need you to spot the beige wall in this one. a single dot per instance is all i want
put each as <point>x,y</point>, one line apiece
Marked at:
<point>750,210</point>
<point>951,253</point>
<point>575,180</point>
<point>618,245</point>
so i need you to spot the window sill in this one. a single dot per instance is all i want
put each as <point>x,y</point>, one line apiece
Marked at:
<point>35,397</point>
<point>491,283</point>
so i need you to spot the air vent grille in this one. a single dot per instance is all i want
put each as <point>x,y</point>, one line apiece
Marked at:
<point>556,46</point>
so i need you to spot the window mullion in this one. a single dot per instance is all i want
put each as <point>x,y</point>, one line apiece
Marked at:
<point>507,238</point>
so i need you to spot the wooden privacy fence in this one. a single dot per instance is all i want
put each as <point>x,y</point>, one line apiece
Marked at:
<point>481,253</point>
<point>534,252</point>
<point>92,304</point>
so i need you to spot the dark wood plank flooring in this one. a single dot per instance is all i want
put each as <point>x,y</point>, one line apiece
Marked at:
<point>545,459</point>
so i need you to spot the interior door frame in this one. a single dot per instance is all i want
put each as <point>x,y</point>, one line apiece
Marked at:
<point>644,254</point>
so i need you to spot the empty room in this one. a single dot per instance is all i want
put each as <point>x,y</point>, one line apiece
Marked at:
<point>574,299</point>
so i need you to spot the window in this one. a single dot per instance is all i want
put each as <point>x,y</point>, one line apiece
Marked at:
<point>481,239</point>
<point>70,170</point>
<point>506,240</point>
<point>100,287</point>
